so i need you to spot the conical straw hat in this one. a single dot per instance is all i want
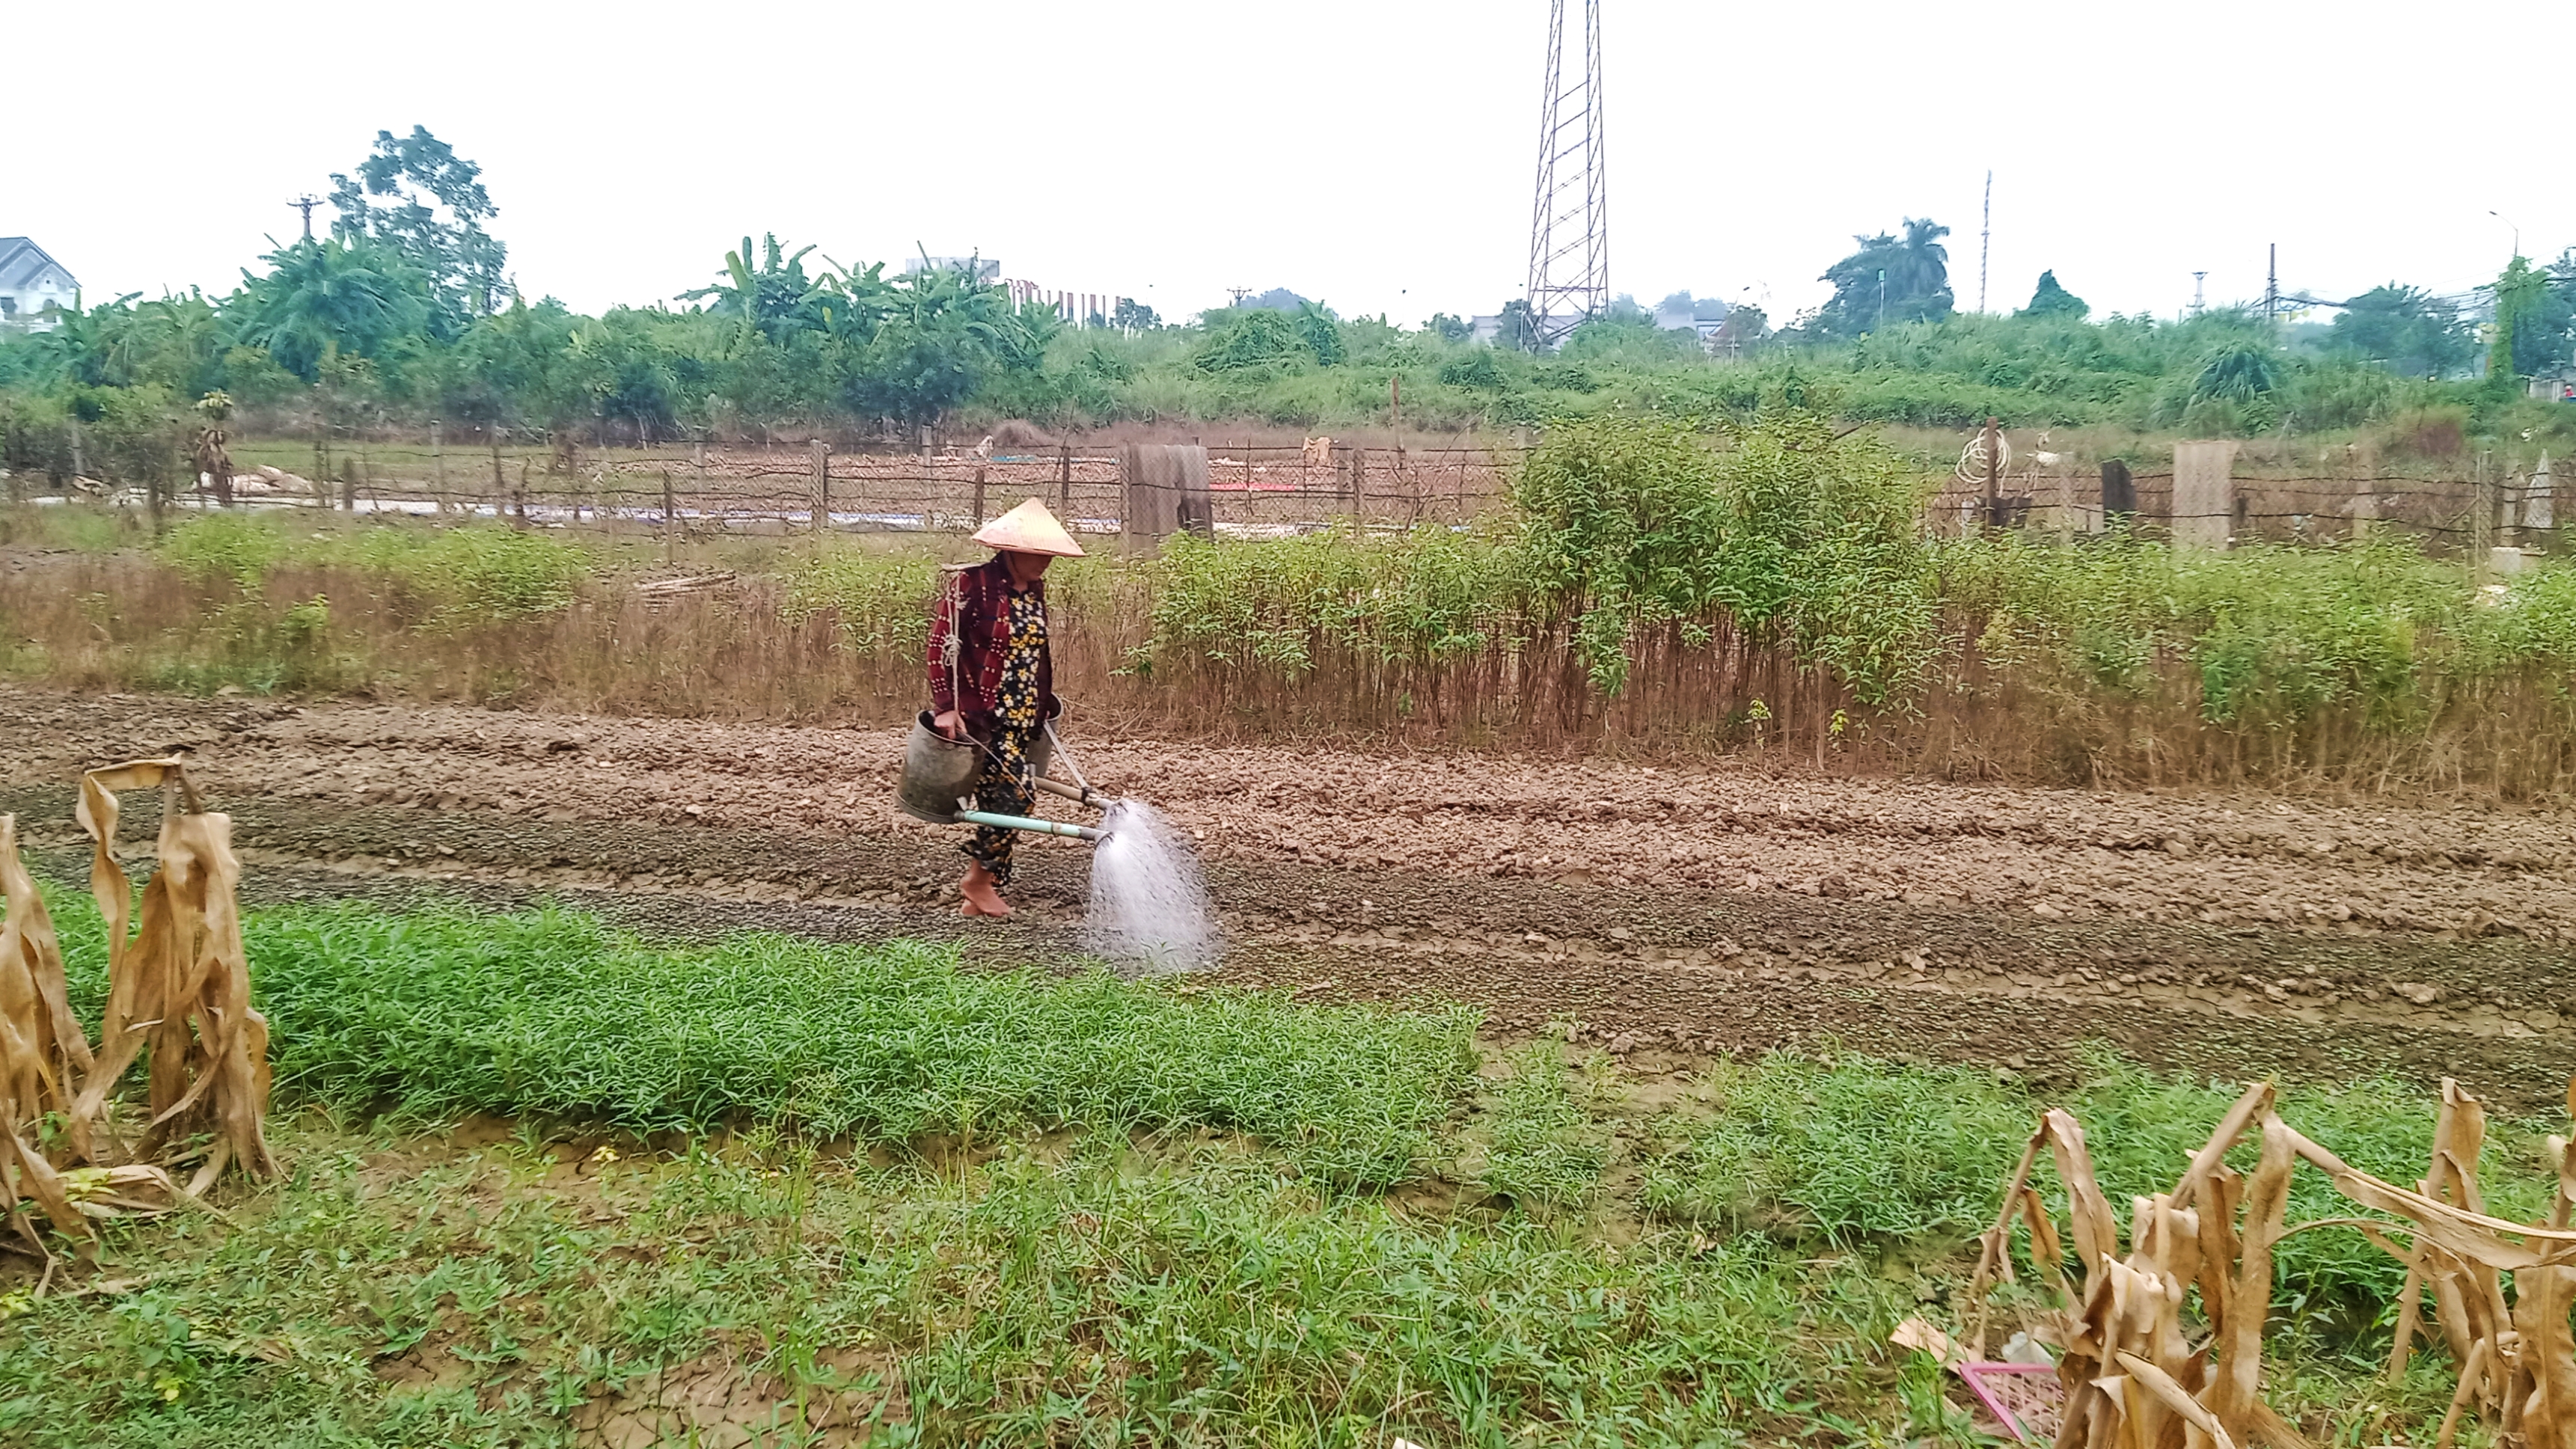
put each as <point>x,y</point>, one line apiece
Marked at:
<point>1029,528</point>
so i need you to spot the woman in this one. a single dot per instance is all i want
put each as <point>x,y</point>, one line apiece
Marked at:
<point>991,680</point>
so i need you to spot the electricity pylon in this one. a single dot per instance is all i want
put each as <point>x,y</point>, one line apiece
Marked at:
<point>1569,270</point>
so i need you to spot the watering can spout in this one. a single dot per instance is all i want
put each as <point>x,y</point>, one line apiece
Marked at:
<point>1023,822</point>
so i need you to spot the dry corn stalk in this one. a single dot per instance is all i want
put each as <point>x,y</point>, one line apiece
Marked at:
<point>179,983</point>
<point>44,1055</point>
<point>2136,1378</point>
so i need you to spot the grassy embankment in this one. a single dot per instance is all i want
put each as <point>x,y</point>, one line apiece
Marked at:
<point>1010,1208</point>
<point>1646,589</point>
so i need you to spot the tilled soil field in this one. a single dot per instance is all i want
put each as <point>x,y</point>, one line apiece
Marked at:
<point>1666,912</point>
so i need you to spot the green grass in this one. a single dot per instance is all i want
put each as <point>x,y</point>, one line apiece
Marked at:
<point>1189,1298</point>
<point>443,1014</point>
<point>1199,1261</point>
<point>1850,1151</point>
<point>1544,1151</point>
<point>473,574</point>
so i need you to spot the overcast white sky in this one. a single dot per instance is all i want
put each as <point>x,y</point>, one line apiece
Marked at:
<point>1375,154</point>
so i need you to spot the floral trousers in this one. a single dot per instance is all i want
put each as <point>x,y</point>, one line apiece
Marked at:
<point>1003,787</point>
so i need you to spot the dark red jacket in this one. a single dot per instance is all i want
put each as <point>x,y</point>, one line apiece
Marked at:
<point>970,631</point>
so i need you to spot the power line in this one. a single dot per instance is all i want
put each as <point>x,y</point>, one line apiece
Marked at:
<point>1569,270</point>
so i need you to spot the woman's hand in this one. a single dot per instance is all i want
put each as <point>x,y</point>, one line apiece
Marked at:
<point>951,724</point>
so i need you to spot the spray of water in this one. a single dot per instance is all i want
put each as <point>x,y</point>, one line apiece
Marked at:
<point>1149,904</point>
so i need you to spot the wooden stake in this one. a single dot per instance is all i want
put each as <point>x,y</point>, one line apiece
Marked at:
<point>1994,473</point>
<point>822,484</point>
<point>670,516</point>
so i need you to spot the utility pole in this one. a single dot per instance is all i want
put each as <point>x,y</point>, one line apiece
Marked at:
<point>1239,293</point>
<point>2272,288</point>
<point>1882,299</point>
<point>305,204</point>
<point>1985,240</point>
<point>2197,279</point>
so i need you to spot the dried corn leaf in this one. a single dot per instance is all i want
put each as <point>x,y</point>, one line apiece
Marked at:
<point>34,1001</point>
<point>25,1173</point>
<point>2175,1398</point>
<point>110,1192</point>
<point>2134,1378</point>
<point>2544,1388</point>
<point>43,1052</point>
<point>179,985</point>
<point>2563,1206</point>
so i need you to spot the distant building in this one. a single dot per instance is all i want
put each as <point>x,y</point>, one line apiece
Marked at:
<point>1703,316</point>
<point>34,288</point>
<point>1078,309</point>
<point>981,269</point>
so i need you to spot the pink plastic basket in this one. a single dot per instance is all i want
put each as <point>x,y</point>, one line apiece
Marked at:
<point>2026,1398</point>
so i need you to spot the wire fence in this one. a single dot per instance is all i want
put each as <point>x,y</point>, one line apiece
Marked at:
<point>1258,490</point>
<point>1253,490</point>
<point>2449,515</point>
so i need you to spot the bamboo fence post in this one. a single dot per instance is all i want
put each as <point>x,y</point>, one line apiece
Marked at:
<point>2481,520</point>
<point>500,484</point>
<point>1994,476</point>
<point>2510,508</point>
<point>1064,478</point>
<point>978,509</point>
<point>437,470</point>
<point>670,514</point>
<point>822,484</point>
<point>697,471</point>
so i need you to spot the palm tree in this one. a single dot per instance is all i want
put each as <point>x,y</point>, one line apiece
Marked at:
<point>1924,264</point>
<point>1888,281</point>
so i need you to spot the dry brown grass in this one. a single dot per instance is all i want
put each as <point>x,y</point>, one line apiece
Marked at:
<point>125,621</point>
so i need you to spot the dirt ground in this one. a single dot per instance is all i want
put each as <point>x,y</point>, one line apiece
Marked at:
<point>1670,912</point>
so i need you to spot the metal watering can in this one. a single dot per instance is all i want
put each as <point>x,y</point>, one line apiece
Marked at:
<point>938,782</point>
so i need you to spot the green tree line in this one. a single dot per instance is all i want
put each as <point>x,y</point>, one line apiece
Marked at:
<point>404,311</point>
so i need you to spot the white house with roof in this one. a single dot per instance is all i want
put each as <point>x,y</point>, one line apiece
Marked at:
<point>34,288</point>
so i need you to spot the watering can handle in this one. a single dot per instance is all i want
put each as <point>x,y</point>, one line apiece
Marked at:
<point>1056,742</point>
<point>1080,791</point>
